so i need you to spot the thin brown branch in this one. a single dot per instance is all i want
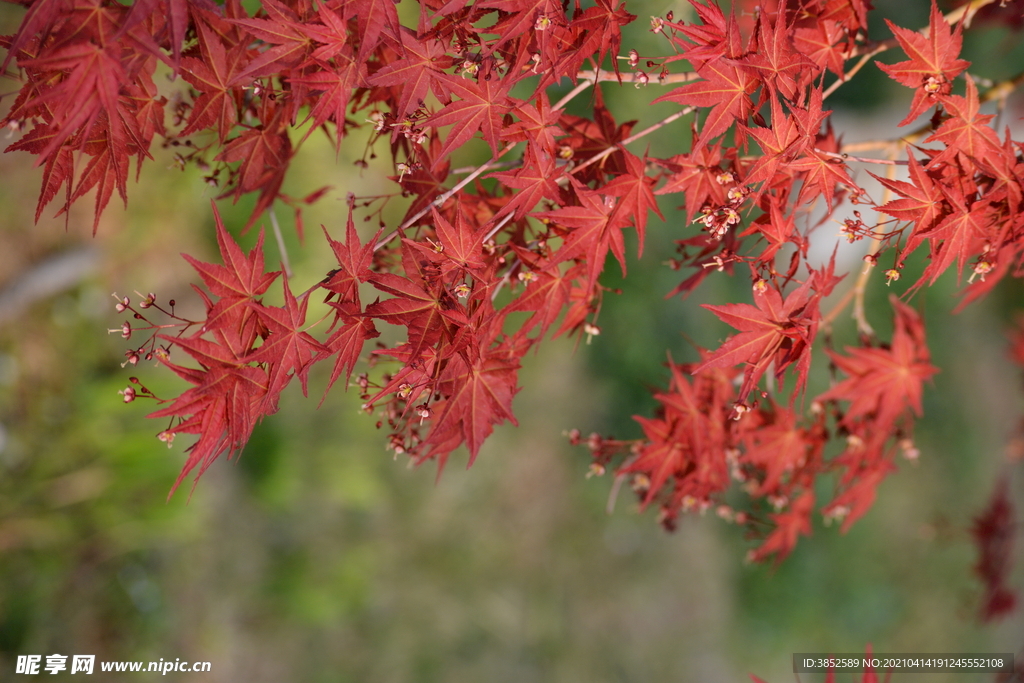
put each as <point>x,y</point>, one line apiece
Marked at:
<point>622,145</point>
<point>603,76</point>
<point>866,160</point>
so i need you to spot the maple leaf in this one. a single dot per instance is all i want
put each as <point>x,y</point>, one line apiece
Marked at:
<point>219,410</point>
<point>779,143</point>
<point>419,71</point>
<point>537,180</point>
<point>962,233</point>
<point>548,294</point>
<point>354,259</point>
<point>777,448</point>
<point>425,310</point>
<point>537,124</point>
<point>336,83</point>
<point>263,154</point>
<point>820,43</point>
<point>346,342</point>
<point>519,17</point>
<point>883,382</point>
<point>462,246</point>
<point>822,174</point>
<point>726,89</point>
<point>777,228</point>
<point>772,330</point>
<point>636,191</point>
<point>789,526</point>
<point>923,201</point>
<point>934,62</point>
<point>217,76</point>
<point>239,280</point>
<point>479,396</point>
<point>593,231</point>
<point>375,19</point>
<point>482,105</point>
<point>696,176</point>
<point>966,132</point>
<point>285,31</point>
<point>664,456</point>
<point>775,61</point>
<point>287,350</point>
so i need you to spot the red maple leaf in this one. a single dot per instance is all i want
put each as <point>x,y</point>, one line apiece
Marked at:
<point>217,77</point>
<point>238,281</point>
<point>482,106</point>
<point>934,62</point>
<point>883,382</point>
<point>419,71</point>
<point>288,350</point>
<point>595,227</point>
<point>771,331</point>
<point>923,201</point>
<point>726,89</point>
<point>636,191</point>
<point>479,395</point>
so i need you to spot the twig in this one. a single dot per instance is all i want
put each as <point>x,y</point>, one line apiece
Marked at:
<point>851,73</point>
<point>603,76</point>
<point>866,160</point>
<point>862,280</point>
<point>621,145</point>
<point>280,245</point>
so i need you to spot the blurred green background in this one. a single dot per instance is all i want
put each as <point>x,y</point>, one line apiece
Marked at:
<point>318,557</point>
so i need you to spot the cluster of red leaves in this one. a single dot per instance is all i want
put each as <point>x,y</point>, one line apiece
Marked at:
<point>534,239</point>
<point>705,437</point>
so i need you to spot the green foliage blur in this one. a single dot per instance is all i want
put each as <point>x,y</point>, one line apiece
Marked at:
<point>317,556</point>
